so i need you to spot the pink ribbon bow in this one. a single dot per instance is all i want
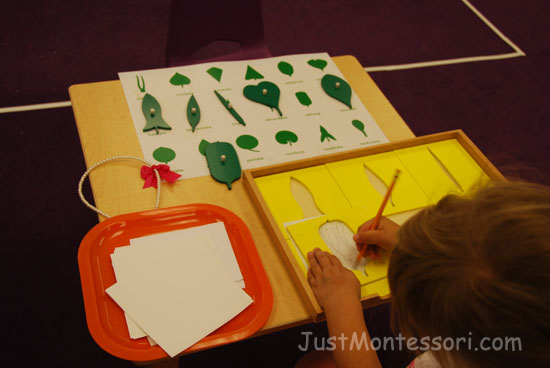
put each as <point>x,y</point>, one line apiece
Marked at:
<point>148,174</point>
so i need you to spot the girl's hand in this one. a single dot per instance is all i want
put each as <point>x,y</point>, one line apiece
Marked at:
<point>338,291</point>
<point>385,236</point>
<point>331,282</point>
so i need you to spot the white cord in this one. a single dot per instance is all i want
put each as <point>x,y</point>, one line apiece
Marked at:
<point>108,160</point>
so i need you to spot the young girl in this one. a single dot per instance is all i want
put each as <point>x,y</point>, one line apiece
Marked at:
<point>470,283</point>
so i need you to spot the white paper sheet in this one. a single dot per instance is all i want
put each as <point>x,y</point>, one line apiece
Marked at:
<point>134,330</point>
<point>219,237</point>
<point>180,294</point>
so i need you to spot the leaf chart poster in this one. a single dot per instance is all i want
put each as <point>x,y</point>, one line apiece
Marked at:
<point>271,110</point>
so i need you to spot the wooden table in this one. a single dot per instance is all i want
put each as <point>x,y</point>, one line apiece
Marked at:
<point>106,129</point>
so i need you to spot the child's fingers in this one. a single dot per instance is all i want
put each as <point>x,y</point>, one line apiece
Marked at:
<point>375,256</point>
<point>334,260</point>
<point>367,249</point>
<point>322,258</point>
<point>365,226</point>
<point>376,237</point>
<point>368,237</point>
<point>373,253</point>
<point>313,264</point>
<point>311,278</point>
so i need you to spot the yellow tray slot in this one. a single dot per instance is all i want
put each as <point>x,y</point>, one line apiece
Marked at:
<point>459,163</point>
<point>353,178</point>
<point>318,184</point>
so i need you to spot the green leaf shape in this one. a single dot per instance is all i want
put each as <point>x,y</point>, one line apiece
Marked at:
<point>251,73</point>
<point>179,80</point>
<point>360,126</point>
<point>193,117</point>
<point>269,99</point>
<point>337,88</point>
<point>285,68</point>
<point>286,136</point>
<point>223,162</point>
<point>164,154</point>
<point>303,98</point>
<point>231,109</point>
<point>216,73</point>
<point>247,142</point>
<point>141,85</point>
<point>325,135</point>
<point>202,146</point>
<point>153,114</point>
<point>318,63</point>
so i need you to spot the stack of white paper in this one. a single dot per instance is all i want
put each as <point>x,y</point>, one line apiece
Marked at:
<point>178,287</point>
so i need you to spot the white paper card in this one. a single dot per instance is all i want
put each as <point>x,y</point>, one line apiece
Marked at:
<point>134,330</point>
<point>180,294</point>
<point>219,237</point>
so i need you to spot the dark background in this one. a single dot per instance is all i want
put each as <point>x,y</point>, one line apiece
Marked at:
<point>503,106</point>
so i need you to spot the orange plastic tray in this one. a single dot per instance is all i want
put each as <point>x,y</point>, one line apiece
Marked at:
<point>105,318</point>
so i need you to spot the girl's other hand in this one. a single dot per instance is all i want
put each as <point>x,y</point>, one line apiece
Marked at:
<point>330,280</point>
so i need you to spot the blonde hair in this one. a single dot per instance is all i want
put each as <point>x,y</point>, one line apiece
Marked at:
<point>478,267</point>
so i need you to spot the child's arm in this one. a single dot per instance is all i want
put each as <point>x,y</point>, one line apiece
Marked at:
<point>338,291</point>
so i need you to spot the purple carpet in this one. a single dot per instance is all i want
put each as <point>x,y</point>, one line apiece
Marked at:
<point>502,105</point>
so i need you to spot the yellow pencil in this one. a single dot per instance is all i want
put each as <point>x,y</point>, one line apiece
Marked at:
<point>374,224</point>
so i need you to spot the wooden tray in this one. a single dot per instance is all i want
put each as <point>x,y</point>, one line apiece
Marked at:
<point>290,261</point>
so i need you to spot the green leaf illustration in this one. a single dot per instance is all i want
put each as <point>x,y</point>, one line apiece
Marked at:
<point>286,136</point>
<point>266,93</point>
<point>303,98</point>
<point>360,126</point>
<point>247,142</point>
<point>202,146</point>
<point>229,107</point>
<point>153,114</point>
<point>216,73</point>
<point>285,68</point>
<point>337,88</point>
<point>193,112</point>
<point>318,63</point>
<point>252,74</point>
<point>179,80</point>
<point>223,162</point>
<point>325,135</point>
<point>164,154</point>
<point>141,85</point>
